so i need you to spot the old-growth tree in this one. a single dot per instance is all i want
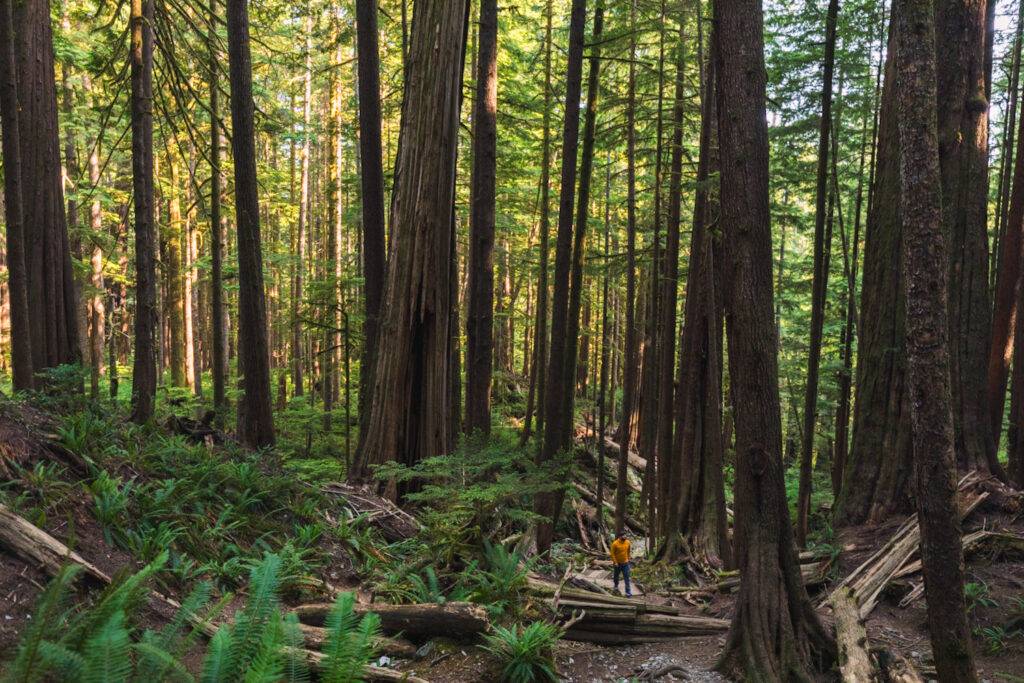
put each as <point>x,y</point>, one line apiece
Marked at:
<point>480,304</point>
<point>928,357</point>
<point>775,634</point>
<point>255,416</point>
<point>410,406</point>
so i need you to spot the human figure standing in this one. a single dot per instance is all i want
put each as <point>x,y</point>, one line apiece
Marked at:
<point>620,558</point>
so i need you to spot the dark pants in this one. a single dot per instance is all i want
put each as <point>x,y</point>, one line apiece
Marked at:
<point>622,569</point>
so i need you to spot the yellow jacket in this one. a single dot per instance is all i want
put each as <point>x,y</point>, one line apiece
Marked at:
<point>620,551</point>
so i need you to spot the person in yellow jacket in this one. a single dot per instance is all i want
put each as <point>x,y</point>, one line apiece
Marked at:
<point>620,559</point>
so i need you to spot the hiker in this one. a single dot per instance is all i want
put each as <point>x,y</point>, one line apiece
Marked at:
<point>620,558</point>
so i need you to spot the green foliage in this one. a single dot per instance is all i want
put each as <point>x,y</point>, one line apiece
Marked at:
<point>97,643</point>
<point>499,584</point>
<point>476,492</point>
<point>525,654</point>
<point>977,594</point>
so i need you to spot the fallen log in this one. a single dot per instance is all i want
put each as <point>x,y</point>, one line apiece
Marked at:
<point>611,449</point>
<point>851,638</point>
<point>373,673</point>
<point>456,620</point>
<point>394,523</point>
<point>591,497</point>
<point>813,573</point>
<point>31,543</point>
<point>646,628</point>
<point>869,579</point>
<point>569,595</point>
<point>611,470</point>
<point>316,637</point>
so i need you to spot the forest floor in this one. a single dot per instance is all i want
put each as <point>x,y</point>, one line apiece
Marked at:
<point>55,470</point>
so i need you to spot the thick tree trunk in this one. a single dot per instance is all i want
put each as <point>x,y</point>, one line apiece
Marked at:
<point>928,359</point>
<point>668,466</point>
<point>698,512</point>
<point>547,504</point>
<point>630,360</point>
<point>575,346</point>
<point>53,312</point>
<point>219,355</point>
<point>256,419</point>
<point>297,355</point>
<point>372,186</point>
<point>540,337</point>
<point>963,158</point>
<point>174,301</point>
<point>21,341</point>
<point>775,634</point>
<point>480,307</point>
<point>819,279</point>
<point>144,369</point>
<point>411,396</point>
<point>1006,295</point>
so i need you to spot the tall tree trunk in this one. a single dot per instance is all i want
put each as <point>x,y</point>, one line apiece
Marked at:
<point>97,307</point>
<point>372,184</point>
<point>963,157</point>
<point>219,353</point>
<point>1006,295</point>
<point>630,360</point>
<point>297,356</point>
<point>174,301</point>
<point>256,419</point>
<point>548,504</point>
<point>668,468</point>
<point>480,307</point>
<point>820,278</point>
<point>775,633</point>
<point>21,340</point>
<point>576,286</point>
<point>53,313</point>
<point>928,358</point>
<point>698,512</point>
<point>412,393</point>
<point>144,369</point>
<point>540,337</point>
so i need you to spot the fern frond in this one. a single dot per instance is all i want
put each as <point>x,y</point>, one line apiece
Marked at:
<point>267,665</point>
<point>296,669</point>
<point>45,620</point>
<point>122,597</point>
<point>166,667</point>
<point>259,610</point>
<point>217,663</point>
<point>57,658</point>
<point>106,653</point>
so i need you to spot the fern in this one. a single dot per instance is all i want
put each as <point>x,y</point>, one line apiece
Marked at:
<point>123,597</point>
<point>350,642</point>
<point>217,664</point>
<point>525,653</point>
<point>261,607</point>
<point>46,618</point>
<point>295,667</point>
<point>106,654</point>
<point>267,664</point>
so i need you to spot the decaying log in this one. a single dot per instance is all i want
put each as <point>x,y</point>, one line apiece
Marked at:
<point>591,497</point>
<point>316,636</point>
<point>570,595</point>
<point>851,638</point>
<point>394,523</point>
<point>644,628</point>
<point>456,620</point>
<point>31,543</point>
<point>869,579</point>
<point>612,450</point>
<point>373,673</point>
<point>813,573</point>
<point>611,469</point>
